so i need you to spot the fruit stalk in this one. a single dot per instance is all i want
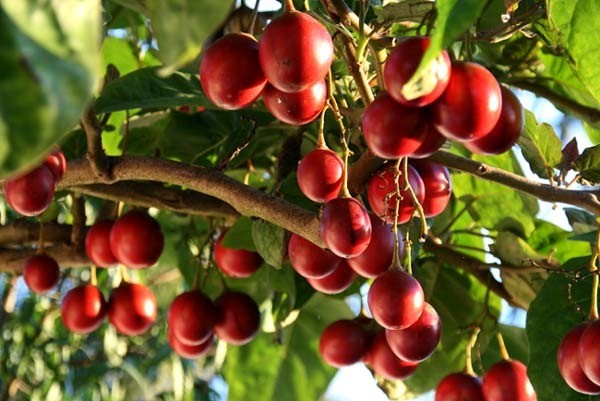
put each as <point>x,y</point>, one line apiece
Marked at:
<point>288,5</point>
<point>396,259</point>
<point>321,144</point>
<point>93,276</point>
<point>502,347</point>
<point>415,201</point>
<point>469,351</point>
<point>593,315</point>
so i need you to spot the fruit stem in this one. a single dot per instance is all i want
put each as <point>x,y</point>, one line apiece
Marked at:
<point>93,276</point>
<point>333,105</point>
<point>415,201</point>
<point>124,274</point>
<point>288,5</point>
<point>593,315</point>
<point>469,351</point>
<point>321,144</point>
<point>502,346</point>
<point>40,247</point>
<point>254,18</point>
<point>396,260</point>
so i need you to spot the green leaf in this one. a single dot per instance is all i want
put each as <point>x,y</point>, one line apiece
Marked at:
<point>270,241</point>
<point>580,220</point>
<point>182,26</point>
<point>50,66</point>
<point>541,146</point>
<point>588,164</point>
<point>239,235</point>
<point>119,53</point>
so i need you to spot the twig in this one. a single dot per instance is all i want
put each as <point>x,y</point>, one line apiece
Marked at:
<point>95,154</point>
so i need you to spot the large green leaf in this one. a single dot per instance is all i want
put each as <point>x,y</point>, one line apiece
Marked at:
<point>541,146</point>
<point>50,66</point>
<point>588,164</point>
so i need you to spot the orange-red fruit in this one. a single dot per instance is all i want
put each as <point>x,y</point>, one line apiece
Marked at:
<point>83,309</point>
<point>191,317</point>
<point>345,227</point>
<point>377,258</point>
<point>570,369</point>
<point>338,281</point>
<point>320,175</point>
<point>230,71</point>
<point>459,387</point>
<point>57,163</point>
<point>189,351</point>
<point>236,262</point>
<point>432,142</point>
<point>296,108</point>
<point>136,240</point>
<point>343,343</point>
<point>507,381</point>
<point>41,273</point>
<point>589,351</point>
<point>438,186</point>
<point>385,363</point>
<point>31,193</point>
<point>310,260</point>
<point>238,319</point>
<point>131,308</point>
<point>97,244</point>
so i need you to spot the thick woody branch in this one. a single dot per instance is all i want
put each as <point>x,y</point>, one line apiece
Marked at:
<point>23,232</point>
<point>13,260</point>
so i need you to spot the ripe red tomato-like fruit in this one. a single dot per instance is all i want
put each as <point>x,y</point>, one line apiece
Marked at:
<point>230,72</point>
<point>295,51</point>
<point>131,308</point>
<point>381,192</point>
<point>459,387</point>
<point>418,341</point>
<point>438,186</point>
<point>403,62</point>
<point>589,352</point>
<point>385,363</point>
<point>30,194</point>
<point>136,240</point>
<point>377,258</point>
<point>432,142</point>
<point>41,273</point>
<point>189,351</point>
<point>191,317</point>
<point>338,281</point>
<point>236,262</point>
<point>343,343</point>
<point>296,108</point>
<point>570,369</point>
<point>97,244</point>
<point>507,130</point>
<point>396,300</point>
<point>83,309</point>
<point>507,381</point>
<point>310,260</point>
<point>320,175</point>
<point>238,319</point>
<point>392,130</point>
<point>345,227</point>
<point>470,106</point>
<point>57,163</point>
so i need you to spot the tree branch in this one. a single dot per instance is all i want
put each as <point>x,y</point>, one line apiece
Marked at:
<point>23,232</point>
<point>13,260</point>
<point>95,153</point>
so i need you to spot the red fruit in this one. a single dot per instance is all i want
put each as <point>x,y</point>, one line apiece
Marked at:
<point>403,62</point>
<point>136,240</point>
<point>238,318</point>
<point>459,387</point>
<point>396,300</point>
<point>507,130</point>
<point>230,72</point>
<point>97,244</point>
<point>296,108</point>
<point>589,352</point>
<point>189,351</point>
<point>236,262</point>
<point>432,142</point>
<point>381,192</point>
<point>418,341</point>
<point>310,260</point>
<point>321,175</point>
<point>30,194</point>
<point>345,227</point>
<point>338,281</point>
<point>57,163</point>
<point>343,343</point>
<point>507,381</point>
<point>377,258</point>
<point>470,106</point>
<point>83,309</point>
<point>41,273</point>
<point>191,317</point>
<point>438,186</point>
<point>391,129</point>
<point>295,51</point>
<point>383,361</point>
<point>568,362</point>
<point>131,308</point>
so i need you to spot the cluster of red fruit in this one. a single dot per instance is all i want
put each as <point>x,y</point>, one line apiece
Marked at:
<point>578,358</point>
<point>287,67</point>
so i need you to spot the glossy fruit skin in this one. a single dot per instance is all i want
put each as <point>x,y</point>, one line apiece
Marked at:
<point>459,387</point>
<point>377,258</point>
<point>320,175</point>
<point>97,244</point>
<point>310,260</point>
<point>338,281</point>
<point>235,262</point>
<point>567,358</point>
<point>238,319</point>
<point>295,51</point>
<point>392,130</point>
<point>381,192</point>
<point>30,194</point>
<point>57,163</point>
<point>189,351</point>
<point>507,130</point>
<point>83,309</point>
<point>418,341</point>
<point>470,106</point>
<point>403,62</point>
<point>507,381</point>
<point>136,240</point>
<point>41,273</point>
<point>396,300</point>
<point>345,227</point>
<point>296,108</point>
<point>343,343</point>
<point>131,308</point>
<point>385,363</point>
<point>230,71</point>
<point>432,142</point>
<point>438,186</point>
<point>589,352</point>
<point>191,317</point>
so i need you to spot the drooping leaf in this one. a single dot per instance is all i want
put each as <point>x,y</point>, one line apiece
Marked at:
<point>588,164</point>
<point>541,146</point>
<point>270,241</point>
<point>580,220</point>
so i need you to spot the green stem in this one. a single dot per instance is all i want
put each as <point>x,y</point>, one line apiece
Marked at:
<point>502,347</point>
<point>469,352</point>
